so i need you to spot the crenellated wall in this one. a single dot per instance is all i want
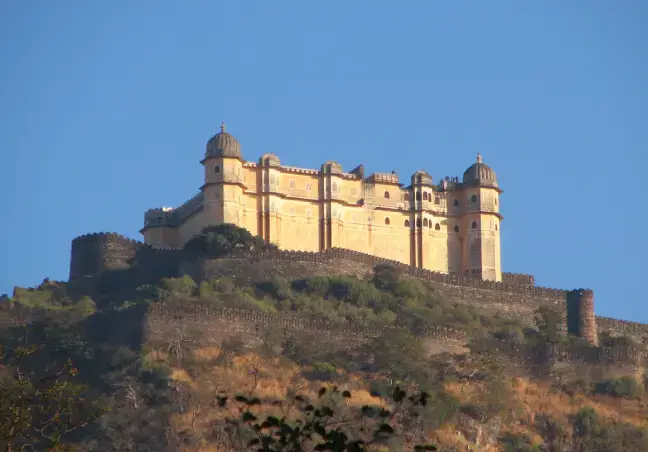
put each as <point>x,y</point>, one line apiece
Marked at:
<point>515,296</point>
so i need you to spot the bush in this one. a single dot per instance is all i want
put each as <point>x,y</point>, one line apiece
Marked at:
<point>624,387</point>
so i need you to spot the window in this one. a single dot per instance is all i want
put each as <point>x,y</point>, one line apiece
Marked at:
<point>473,198</point>
<point>437,200</point>
<point>386,195</point>
<point>291,183</point>
<point>387,220</point>
<point>418,223</point>
<point>217,169</point>
<point>406,223</point>
<point>418,195</point>
<point>406,196</point>
<point>308,213</point>
<point>335,187</point>
<point>495,201</point>
<point>456,203</point>
<point>425,222</point>
<point>309,185</point>
<point>496,227</point>
<point>474,225</point>
<point>425,196</point>
<point>456,229</point>
<point>437,227</point>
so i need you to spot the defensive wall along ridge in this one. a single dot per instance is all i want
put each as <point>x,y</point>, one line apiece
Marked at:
<point>516,295</point>
<point>204,325</point>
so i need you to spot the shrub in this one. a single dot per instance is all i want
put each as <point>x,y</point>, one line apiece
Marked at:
<point>624,387</point>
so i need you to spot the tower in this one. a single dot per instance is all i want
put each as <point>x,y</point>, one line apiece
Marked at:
<point>224,181</point>
<point>581,320</point>
<point>481,222</point>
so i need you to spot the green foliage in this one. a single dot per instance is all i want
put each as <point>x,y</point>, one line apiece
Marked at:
<point>40,412</point>
<point>592,434</point>
<point>625,387</point>
<point>518,443</point>
<point>320,426</point>
<point>218,241</point>
<point>549,322</point>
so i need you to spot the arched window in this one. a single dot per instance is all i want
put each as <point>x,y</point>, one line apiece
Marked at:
<point>457,228</point>
<point>418,195</point>
<point>418,223</point>
<point>456,203</point>
<point>437,227</point>
<point>437,200</point>
<point>474,225</point>
<point>217,169</point>
<point>406,223</point>
<point>425,196</point>
<point>386,195</point>
<point>473,198</point>
<point>425,222</point>
<point>387,220</point>
<point>406,196</point>
<point>496,227</point>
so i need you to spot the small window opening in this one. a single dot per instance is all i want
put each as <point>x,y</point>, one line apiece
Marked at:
<point>217,169</point>
<point>437,227</point>
<point>473,198</point>
<point>407,223</point>
<point>386,195</point>
<point>425,196</point>
<point>418,223</point>
<point>425,222</point>
<point>418,195</point>
<point>496,227</point>
<point>456,203</point>
<point>437,200</point>
<point>387,220</point>
<point>474,225</point>
<point>456,228</point>
<point>406,197</point>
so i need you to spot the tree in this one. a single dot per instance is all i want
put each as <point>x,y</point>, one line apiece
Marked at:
<point>39,412</point>
<point>217,241</point>
<point>549,323</point>
<point>321,427</point>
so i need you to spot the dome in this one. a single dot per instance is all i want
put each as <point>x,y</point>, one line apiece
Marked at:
<point>223,145</point>
<point>480,174</point>
<point>421,177</point>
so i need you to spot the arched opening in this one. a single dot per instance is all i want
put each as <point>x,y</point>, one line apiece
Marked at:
<point>406,197</point>
<point>418,195</point>
<point>496,227</point>
<point>387,220</point>
<point>456,203</point>
<point>437,227</point>
<point>217,169</point>
<point>425,196</point>
<point>418,223</point>
<point>456,228</point>
<point>473,198</point>
<point>437,200</point>
<point>474,225</point>
<point>386,195</point>
<point>407,223</point>
<point>425,222</point>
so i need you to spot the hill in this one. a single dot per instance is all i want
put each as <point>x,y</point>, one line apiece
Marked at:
<point>160,356</point>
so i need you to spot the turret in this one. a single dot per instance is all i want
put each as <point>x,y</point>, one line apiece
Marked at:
<point>581,320</point>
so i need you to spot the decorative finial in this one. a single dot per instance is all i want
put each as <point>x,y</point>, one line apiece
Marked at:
<point>479,158</point>
<point>222,126</point>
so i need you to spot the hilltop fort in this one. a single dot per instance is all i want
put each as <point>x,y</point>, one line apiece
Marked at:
<point>328,221</point>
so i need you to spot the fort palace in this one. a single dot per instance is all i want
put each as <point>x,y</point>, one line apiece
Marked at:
<point>449,226</point>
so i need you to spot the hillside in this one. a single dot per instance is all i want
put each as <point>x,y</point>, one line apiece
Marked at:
<point>156,363</point>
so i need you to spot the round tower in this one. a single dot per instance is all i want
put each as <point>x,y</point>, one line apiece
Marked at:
<point>581,320</point>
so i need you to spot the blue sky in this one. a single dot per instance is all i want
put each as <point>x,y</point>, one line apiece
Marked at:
<point>105,109</point>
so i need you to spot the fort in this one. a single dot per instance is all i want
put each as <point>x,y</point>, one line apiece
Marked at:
<point>330,222</point>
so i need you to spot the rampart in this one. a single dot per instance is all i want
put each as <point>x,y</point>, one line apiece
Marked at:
<point>515,296</point>
<point>201,325</point>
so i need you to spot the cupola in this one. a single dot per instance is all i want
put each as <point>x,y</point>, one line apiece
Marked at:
<point>480,174</point>
<point>223,145</point>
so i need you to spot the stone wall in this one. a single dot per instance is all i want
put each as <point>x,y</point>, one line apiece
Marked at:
<point>515,296</point>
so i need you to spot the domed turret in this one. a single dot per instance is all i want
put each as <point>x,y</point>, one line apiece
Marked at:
<point>421,177</point>
<point>480,174</point>
<point>223,145</point>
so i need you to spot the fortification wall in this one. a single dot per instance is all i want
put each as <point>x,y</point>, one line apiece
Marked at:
<point>201,325</point>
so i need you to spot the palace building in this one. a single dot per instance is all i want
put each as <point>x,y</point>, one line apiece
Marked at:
<point>450,226</point>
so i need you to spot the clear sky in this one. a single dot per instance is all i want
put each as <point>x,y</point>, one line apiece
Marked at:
<point>105,109</point>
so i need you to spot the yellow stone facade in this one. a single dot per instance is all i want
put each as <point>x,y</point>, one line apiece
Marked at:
<point>452,226</point>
